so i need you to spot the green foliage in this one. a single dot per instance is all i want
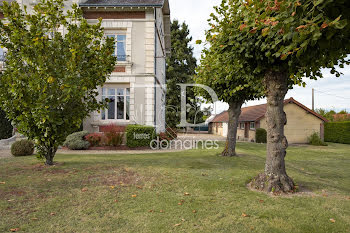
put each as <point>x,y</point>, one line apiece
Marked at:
<point>76,141</point>
<point>219,70</point>
<point>333,116</point>
<point>315,140</point>
<point>181,65</point>
<point>298,38</point>
<point>50,82</point>
<point>112,135</point>
<point>139,136</point>
<point>338,132</point>
<point>329,115</point>
<point>5,126</point>
<point>22,148</point>
<point>260,135</point>
<point>95,139</point>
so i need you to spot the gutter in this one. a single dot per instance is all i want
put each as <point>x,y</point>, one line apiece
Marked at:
<point>119,5</point>
<point>155,68</point>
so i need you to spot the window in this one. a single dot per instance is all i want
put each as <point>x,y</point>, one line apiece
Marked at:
<point>252,125</point>
<point>120,46</point>
<point>118,105</point>
<point>242,125</point>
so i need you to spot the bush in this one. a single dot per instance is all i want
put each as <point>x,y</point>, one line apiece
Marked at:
<point>5,126</point>
<point>315,140</point>
<point>172,133</point>
<point>95,139</point>
<point>261,135</point>
<point>22,148</point>
<point>76,141</point>
<point>113,136</point>
<point>338,132</point>
<point>139,136</point>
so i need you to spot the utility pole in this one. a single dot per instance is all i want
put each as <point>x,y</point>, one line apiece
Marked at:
<point>313,99</point>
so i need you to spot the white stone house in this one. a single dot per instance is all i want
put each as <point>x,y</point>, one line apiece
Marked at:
<point>141,29</point>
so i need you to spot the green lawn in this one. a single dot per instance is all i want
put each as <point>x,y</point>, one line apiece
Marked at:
<point>146,193</point>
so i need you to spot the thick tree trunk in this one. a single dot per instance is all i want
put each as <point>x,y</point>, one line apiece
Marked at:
<point>234,112</point>
<point>275,178</point>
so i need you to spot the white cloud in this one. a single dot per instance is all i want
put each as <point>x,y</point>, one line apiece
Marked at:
<point>196,13</point>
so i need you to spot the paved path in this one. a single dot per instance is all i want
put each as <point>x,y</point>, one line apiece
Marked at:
<point>5,154</point>
<point>201,136</point>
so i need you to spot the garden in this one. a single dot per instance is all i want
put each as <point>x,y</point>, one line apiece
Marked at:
<point>191,191</point>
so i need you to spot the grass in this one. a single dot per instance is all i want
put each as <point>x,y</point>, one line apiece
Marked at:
<point>146,193</point>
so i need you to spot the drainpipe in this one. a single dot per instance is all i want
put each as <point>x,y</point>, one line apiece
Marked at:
<point>155,68</point>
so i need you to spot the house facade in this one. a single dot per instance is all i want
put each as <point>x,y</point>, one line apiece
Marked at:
<point>136,87</point>
<point>301,122</point>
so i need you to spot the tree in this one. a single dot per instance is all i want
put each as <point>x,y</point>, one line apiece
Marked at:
<point>50,82</point>
<point>181,65</point>
<point>329,115</point>
<point>218,71</point>
<point>282,42</point>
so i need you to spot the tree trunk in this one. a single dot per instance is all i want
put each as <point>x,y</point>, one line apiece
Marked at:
<point>234,112</point>
<point>48,153</point>
<point>275,178</point>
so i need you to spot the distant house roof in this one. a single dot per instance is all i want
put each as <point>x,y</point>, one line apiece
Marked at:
<point>341,117</point>
<point>123,3</point>
<point>255,113</point>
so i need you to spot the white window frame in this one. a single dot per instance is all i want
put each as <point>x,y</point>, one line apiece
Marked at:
<point>126,95</point>
<point>116,34</point>
<point>242,125</point>
<point>250,125</point>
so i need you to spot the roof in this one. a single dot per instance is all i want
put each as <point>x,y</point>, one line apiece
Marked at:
<point>255,113</point>
<point>122,3</point>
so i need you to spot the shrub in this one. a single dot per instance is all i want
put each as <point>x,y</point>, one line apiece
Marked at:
<point>22,148</point>
<point>76,141</point>
<point>113,136</point>
<point>172,133</point>
<point>164,136</point>
<point>261,135</point>
<point>5,126</point>
<point>315,140</point>
<point>139,136</point>
<point>95,139</point>
<point>338,132</point>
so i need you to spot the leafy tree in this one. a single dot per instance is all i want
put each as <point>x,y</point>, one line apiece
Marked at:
<point>181,65</point>
<point>50,81</point>
<point>343,112</point>
<point>218,71</point>
<point>329,115</point>
<point>280,42</point>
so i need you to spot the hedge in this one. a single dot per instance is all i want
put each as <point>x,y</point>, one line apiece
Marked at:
<point>139,136</point>
<point>5,126</point>
<point>260,135</point>
<point>338,132</point>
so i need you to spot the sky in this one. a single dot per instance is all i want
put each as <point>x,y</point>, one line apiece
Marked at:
<point>330,92</point>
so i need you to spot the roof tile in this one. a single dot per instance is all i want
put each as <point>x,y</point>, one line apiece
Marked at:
<point>255,113</point>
